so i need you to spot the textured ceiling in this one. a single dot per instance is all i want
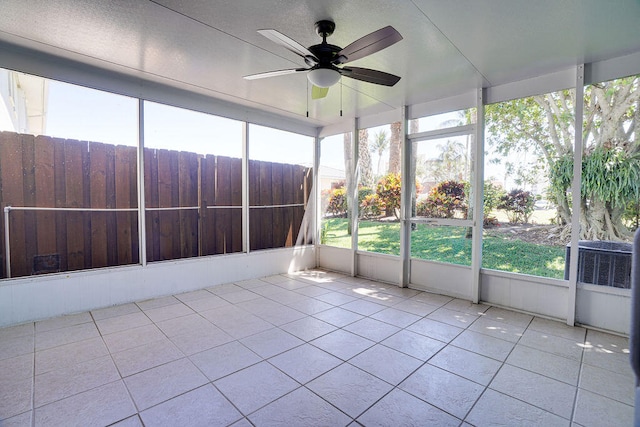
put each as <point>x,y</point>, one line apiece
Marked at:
<point>206,46</point>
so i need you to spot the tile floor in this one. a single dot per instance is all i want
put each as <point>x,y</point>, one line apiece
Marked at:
<point>312,348</point>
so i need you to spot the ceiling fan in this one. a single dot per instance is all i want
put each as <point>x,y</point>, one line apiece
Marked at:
<point>324,59</point>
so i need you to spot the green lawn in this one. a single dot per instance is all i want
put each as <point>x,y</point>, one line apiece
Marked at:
<point>449,244</point>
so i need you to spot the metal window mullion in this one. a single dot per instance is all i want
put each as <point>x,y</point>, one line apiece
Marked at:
<point>406,200</point>
<point>478,199</point>
<point>316,197</point>
<point>246,245</point>
<point>575,196</point>
<point>142,229</point>
<point>353,208</point>
<point>442,133</point>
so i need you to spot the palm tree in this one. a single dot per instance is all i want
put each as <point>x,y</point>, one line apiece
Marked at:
<point>380,144</point>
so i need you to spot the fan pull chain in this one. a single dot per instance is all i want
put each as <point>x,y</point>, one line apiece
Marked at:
<point>340,96</point>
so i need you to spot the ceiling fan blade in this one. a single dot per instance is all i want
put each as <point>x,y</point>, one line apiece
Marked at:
<point>371,43</point>
<point>370,76</point>
<point>274,73</point>
<point>290,44</point>
<point>319,92</point>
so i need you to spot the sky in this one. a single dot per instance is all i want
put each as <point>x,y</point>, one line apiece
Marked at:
<point>76,112</point>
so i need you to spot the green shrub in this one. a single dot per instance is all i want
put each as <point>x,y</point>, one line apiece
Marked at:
<point>444,201</point>
<point>518,204</point>
<point>389,191</point>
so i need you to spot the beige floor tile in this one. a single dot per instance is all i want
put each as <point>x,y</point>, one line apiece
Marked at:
<point>201,339</point>
<point>469,365</point>
<point>545,393</point>
<point>336,298</point>
<point>559,329</point>
<point>70,354</point>
<point>22,420</point>
<point>547,364</point>
<point>372,329</point>
<point>193,295</point>
<point>210,302</point>
<point>16,368</point>
<point>609,384</point>
<point>434,329</point>
<point>396,317</point>
<point>298,408</point>
<point>148,388</point>
<point>255,386</point>
<point>16,346</point>
<point>129,422</point>
<point>65,382</point>
<point>226,359</point>
<point>365,308</point>
<point>552,344</point>
<point>146,356</point>
<point>115,311</point>
<point>305,363</point>
<point>63,322</point>
<point>484,344</point>
<point>443,390</point>
<point>385,363</point>
<point>453,317</point>
<point>15,397</point>
<point>103,406</point>
<point>497,409</point>
<point>338,317</point>
<point>122,323</point>
<point>508,316</point>
<point>168,312</point>
<point>342,344</point>
<point>433,299</point>
<point>270,343</point>
<point>17,331</point>
<point>204,406</point>
<point>498,329</point>
<point>414,345</point>
<point>594,410</point>
<point>66,335</point>
<point>131,338</point>
<point>466,307</point>
<point>157,302</point>
<point>308,328</point>
<point>350,389</point>
<point>399,408</point>
<point>415,307</point>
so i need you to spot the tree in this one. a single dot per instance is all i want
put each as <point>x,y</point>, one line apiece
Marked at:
<point>544,125</point>
<point>364,162</point>
<point>395,147</point>
<point>380,144</point>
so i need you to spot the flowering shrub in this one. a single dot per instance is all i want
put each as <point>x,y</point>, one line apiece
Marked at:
<point>518,204</point>
<point>444,201</point>
<point>389,190</point>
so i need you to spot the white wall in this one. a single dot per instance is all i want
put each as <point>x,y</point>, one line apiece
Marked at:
<point>39,297</point>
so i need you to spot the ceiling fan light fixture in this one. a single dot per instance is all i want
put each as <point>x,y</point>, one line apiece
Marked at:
<point>323,77</point>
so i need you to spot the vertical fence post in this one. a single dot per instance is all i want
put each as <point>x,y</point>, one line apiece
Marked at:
<point>7,249</point>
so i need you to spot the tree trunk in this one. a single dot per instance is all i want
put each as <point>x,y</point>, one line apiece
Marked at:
<point>349,181</point>
<point>395,147</point>
<point>366,174</point>
<point>599,221</point>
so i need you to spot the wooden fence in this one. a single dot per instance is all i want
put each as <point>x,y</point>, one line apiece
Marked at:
<point>193,204</point>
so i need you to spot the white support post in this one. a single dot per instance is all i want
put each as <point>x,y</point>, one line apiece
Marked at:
<point>142,232</point>
<point>246,244</point>
<point>353,208</point>
<point>406,200</point>
<point>575,196</point>
<point>478,190</point>
<point>7,244</point>
<point>317,221</point>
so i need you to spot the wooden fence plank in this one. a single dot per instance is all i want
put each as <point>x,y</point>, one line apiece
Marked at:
<point>13,195</point>
<point>112,223</point>
<point>207,198</point>
<point>98,197</point>
<point>235,234</point>
<point>277,224</point>
<point>223,198</point>
<point>29,198</point>
<point>288,191</point>
<point>187,197</point>
<point>45,194</point>
<point>74,199</point>
<point>255,215</point>
<point>60,200</point>
<point>123,201</point>
<point>151,201</point>
<point>266,199</point>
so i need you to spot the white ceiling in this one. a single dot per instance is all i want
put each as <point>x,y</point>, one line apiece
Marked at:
<point>206,46</point>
